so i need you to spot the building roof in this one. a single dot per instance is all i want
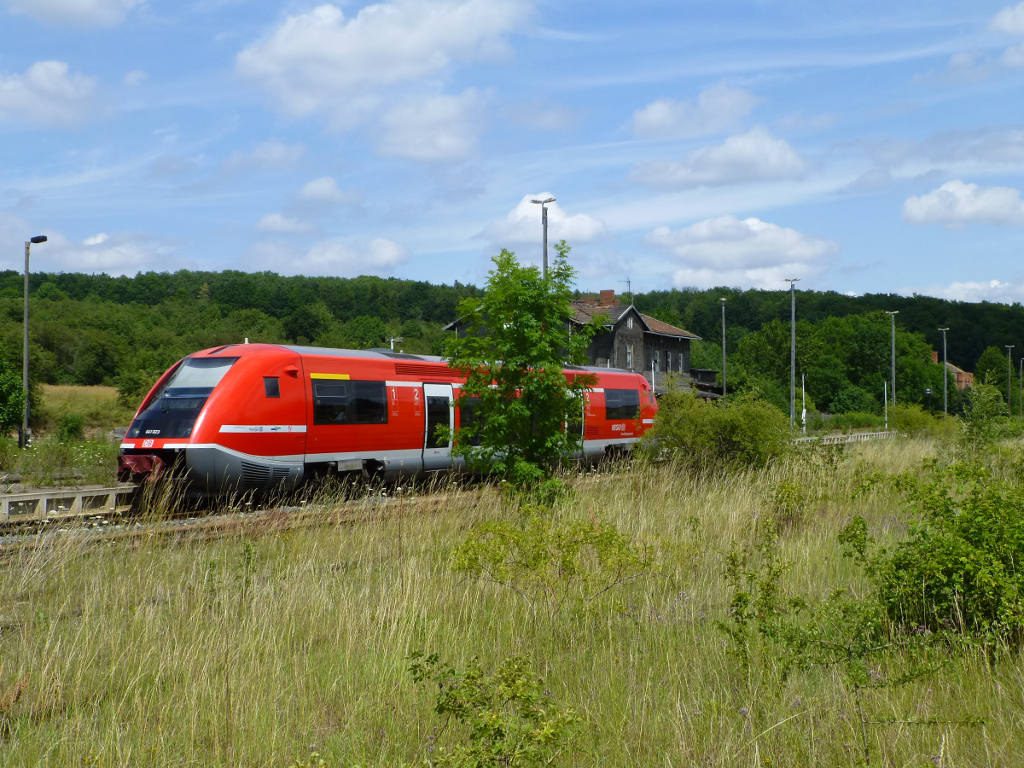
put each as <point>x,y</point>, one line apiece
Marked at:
<point>587,309</point>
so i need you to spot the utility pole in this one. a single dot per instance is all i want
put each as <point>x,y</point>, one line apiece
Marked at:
<point>892,315</point>
<point>1009,377</point>
<point>23,434</point>
<point>792,349</point>
<point>945,372</point>
<point>723,346</point>
<point>544,225</point>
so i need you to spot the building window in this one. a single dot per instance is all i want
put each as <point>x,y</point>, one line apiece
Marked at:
<point>629,322</point>
<point>349,402</point>
<point>629,356</point>
<point>668,362</point>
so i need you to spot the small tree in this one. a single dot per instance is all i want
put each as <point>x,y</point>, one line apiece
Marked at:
<point>518,336</point>
<point>12,398</point>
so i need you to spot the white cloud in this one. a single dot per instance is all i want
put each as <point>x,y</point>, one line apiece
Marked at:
<point>1009,20</point>
<point>718,108</point>
<point>266,155</point>
<point>97,239</point>
<point>86,12</point>
<point>122,253</point>
<point>338,257</point>
<point>281,224</point>
<point>1014,56</point>
<point>322,190</point>
<point>438,127</point>
<point>741,252</point>
<point>975,291</point>
<point>871,180</point>
<point>46,93</point>
<point>523,225</point>
<point>134,78</point>
<point>320,61</point>
<point>956,203</point>
<point>752,156</point>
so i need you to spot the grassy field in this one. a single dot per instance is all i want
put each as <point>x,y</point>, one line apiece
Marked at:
<point>97,405</point>
<point>262,652</point>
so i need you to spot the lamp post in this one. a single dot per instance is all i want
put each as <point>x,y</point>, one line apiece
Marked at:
<point>723,346</point>
<point>792,349</point>
<point>1009,377</point>
<point>544,225</point>
<point>892,315</point>
<point>23,434</point>
<point>945,372</point>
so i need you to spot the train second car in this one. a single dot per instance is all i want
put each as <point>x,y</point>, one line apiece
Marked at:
<point>247,416</point>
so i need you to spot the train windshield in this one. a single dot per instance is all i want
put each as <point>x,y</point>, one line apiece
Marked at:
<point>173,410</point>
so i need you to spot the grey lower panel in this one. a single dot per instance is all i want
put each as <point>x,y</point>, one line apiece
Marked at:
<point>217,469</point>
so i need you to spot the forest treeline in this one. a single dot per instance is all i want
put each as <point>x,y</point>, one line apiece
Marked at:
<point>124,331</point>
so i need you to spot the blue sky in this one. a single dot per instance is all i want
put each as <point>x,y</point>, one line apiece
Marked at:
<point>862,147</point>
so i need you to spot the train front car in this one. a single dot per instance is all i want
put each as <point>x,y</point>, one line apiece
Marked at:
<point>231,417</point>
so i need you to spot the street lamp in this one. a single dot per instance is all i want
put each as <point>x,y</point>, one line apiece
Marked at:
<point>1009,377</point>
<point>23,434</point>
<point>945,372</point>
<point>723,346</point>
<point>544,224</point>
<point>892,315</point>
<point>792,349</point>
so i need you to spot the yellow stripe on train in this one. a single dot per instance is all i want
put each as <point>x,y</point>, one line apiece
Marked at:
<point>336,376</point>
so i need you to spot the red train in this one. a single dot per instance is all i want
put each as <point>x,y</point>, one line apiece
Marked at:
<point>258,415</point>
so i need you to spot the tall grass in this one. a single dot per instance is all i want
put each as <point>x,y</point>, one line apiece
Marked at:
<point>260,651</point>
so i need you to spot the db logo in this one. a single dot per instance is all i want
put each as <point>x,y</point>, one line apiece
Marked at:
<point>147,443</point>
<point>618,427</point>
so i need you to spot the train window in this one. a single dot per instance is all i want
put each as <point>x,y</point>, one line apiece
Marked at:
<point>621,404</point>
<point>174,408</point>
<point>349,402</point>
<point>271,386</point>
<point>469,418</point>
<point>438,415</point>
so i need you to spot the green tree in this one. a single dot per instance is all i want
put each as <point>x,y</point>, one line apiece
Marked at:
<point>12,400</point>
<point>517,339</point>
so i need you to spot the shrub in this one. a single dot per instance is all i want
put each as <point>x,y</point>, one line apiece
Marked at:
<point>742,431</point>
<point>71,427</point>
<point>508,717</point>
<point>854,398</point>
<point>856,420</point>
<point>915,421</point>
<point>961,567</point>
<point>984,416</point>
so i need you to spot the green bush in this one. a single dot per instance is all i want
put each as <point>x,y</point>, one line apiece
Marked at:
<point>961,567</point>
<point>854,398</point>
<point>742,431</point>
<point>915,421</point>
<point>856,420</point>
<point>985,415</point>
<point>71,427</point>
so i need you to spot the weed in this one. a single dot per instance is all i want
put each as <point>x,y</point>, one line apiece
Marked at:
<point>507,718</point>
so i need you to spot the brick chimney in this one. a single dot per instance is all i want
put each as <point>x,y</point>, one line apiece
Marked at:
<point>935,356</point>
<point>607,297</point>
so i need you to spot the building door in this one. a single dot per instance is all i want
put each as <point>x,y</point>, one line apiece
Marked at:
<point>437,450</point>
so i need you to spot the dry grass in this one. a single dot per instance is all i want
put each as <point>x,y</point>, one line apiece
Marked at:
<point>256,652</point>
<point>97,404</point>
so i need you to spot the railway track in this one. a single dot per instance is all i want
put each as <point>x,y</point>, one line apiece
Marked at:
<point>93,529</point>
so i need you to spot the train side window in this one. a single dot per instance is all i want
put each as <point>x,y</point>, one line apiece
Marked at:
<point>469,418</point>
<point>271,386</point>
<point>349,402</point>
<point>621,404</point>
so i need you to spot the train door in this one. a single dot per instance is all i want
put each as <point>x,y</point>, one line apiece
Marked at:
<point>437,450</point>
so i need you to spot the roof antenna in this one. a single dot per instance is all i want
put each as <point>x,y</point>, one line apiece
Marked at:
<point>246,339</point>
<point>629,288</point>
